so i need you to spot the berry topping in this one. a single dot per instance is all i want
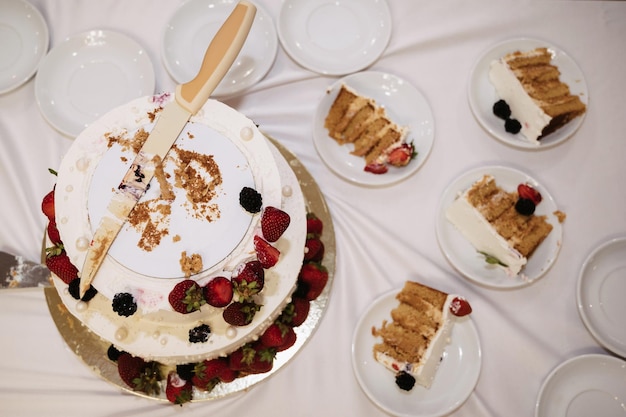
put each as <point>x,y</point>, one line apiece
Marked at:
<point>124,304</point>
<point>314,225</point>
<point>210,372</point>
<point>313,249</point>
<point>296,312</point>
<point>53,232</point>
<point>186,296</point>
<point>527,191</point>
<point>312,280</point>
<point>525,206</point>
<point>266,254</point>
<point>405,381</point>
<point>512,126</point>
<point>138,374</point>
<point>376,168</point>
<point>502,109</point>
<point>250,200</point>
<point>275,335</point>
<point>177,389</point>
<point>59,264</point>
<point>47,205</point>
<point>113,353</point>
<point>240,313</point>
<point>401,155</point>
<point>248,279</point>
<point>218,292</point>
<point>74,290</point>
<point>274,222</point>
<point>460,307</point>
<point>199,334</point>
<point>185,370</point>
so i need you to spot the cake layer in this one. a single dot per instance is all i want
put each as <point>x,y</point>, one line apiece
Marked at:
<point>538,99</point>
<point>420,330</point>
<point>240,156</point>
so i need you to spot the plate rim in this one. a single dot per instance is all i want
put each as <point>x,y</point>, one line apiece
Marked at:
<point>221,91</point>
<point>382,7</point>
<point>368,179</point>
<point>43,50</point>
<point>380,299</point>
<point>148,83</point>
<point>501,135</point>
<point>584,314</point>
<point>441,223</point>
<point>552,375</point>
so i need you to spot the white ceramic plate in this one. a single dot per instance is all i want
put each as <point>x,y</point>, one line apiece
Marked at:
<point>455,380</point>
<point>334,37</point>
<point>25,40</point>
<point>601,291</point>
<point>89,74</point>
<point>587,385</point>
<point>404,104</point>
<point>462,255</point>
<point>190,31</point>
<point>482,95</point>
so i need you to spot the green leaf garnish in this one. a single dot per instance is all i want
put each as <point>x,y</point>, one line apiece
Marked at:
<point>492,260</point>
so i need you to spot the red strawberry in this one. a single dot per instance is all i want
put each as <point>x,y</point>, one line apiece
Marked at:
<point>529,193</point>
<point>314,225</point>
<point>296,312</point>
<point>376,168</point>
<point>314,276</point>
<point>53,232</point>
<point>460,307</point>
<point>207,373</point>
<point>218,292</point>
<point>241,359</point>
<point>263,359</point>
<point>138,374</point>
<point>275,335</point>
<point>59,264</point>
<point>267,254</point>
<point>178,390</point>
<point>47,205</point>
<point>186,296</point>
<point>248,279</point>
<point>290,340</point>
<point>240,314</point>
<point>401,155</point>
<point>313,249</point>
<point>274,222</point>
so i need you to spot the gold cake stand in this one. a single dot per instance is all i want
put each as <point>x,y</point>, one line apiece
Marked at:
<point>92,350</point>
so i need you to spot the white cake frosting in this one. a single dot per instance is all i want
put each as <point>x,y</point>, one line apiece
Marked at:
<point>221,232</point>
<point>530,115</point>
<point>425,370</point>
<point>482,235</point>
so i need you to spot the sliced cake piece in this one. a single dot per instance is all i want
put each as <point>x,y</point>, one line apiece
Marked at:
<point>500,224</point>
<point>413,343</point>
<point>530,85</point>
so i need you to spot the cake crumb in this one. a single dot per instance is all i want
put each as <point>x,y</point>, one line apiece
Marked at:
<point>176,238</point>
<point>560,216</point>
<point>190,264</point>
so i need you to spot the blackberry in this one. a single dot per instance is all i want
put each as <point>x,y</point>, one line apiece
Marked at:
<point>74,290</point>
<point>501,109</point>
<point>512,126</point>
<point>113,353</point>
<point>525,206</point>
<point>199,334</point>
<point>185,371</point>
<point>250,200</point>
<point>124,304</point>
<point>405,381</point>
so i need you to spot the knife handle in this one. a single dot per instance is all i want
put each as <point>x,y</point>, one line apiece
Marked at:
<point>218,59</point>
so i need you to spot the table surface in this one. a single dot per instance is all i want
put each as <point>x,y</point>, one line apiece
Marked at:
<point>384,235</point>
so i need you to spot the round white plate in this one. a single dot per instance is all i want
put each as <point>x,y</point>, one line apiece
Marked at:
<point>455,380</point>
<point>404,104</point>
<point>25,40</point>
<point>587,385</point>
<point>482,95</point>
<point>192,28</point>
<point>601,291</point>
<point>464,257</point>
<point>334,37</point>
<point>89,74</point>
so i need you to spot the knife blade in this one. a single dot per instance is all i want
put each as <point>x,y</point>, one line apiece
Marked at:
<point>18,272</point>
<point>189,98</point>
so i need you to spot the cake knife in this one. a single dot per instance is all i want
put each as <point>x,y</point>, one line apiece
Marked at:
<point>189,98</point>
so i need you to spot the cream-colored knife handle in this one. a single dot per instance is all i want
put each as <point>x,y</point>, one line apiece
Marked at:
<point>218,59</point>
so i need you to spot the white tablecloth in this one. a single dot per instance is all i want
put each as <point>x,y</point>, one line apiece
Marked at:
<point>384,235</point>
